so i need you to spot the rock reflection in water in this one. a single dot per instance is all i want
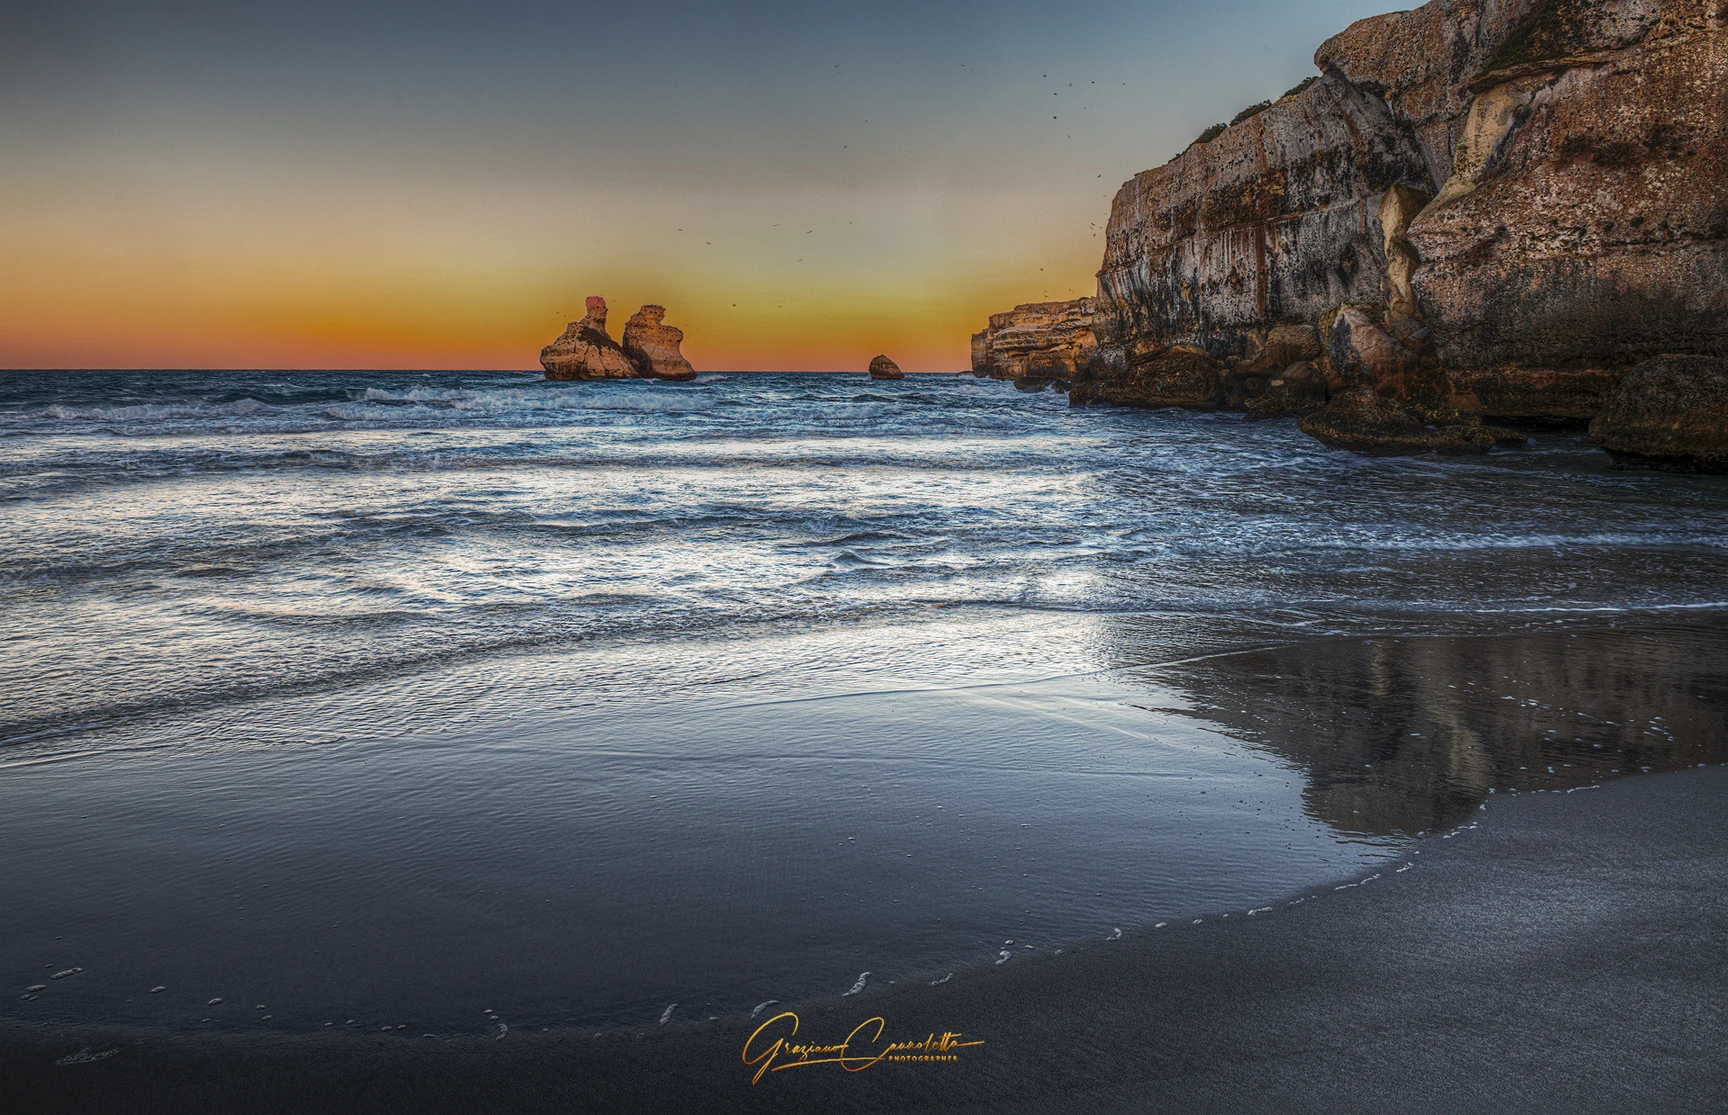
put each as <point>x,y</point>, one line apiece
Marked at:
<point>1412,734</point>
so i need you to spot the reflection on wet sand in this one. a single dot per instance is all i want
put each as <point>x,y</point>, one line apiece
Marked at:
<point>1405,735</point>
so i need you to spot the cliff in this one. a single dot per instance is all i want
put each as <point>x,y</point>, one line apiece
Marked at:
<point>1482,213</point>
<point>1036,343</point>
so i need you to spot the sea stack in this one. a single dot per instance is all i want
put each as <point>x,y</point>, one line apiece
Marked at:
<point>586,350</point>
<point>884,368</point>
<point>653,346</point>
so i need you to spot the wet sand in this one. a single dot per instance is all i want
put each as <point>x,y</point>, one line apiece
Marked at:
<point>1565,955</point>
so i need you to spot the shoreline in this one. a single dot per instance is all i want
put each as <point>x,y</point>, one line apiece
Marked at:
<point>1559,957</point>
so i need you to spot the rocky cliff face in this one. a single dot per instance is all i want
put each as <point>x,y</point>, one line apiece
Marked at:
<point>1584,228</point>
<point>1036,343</point>
<point>1482,212</point>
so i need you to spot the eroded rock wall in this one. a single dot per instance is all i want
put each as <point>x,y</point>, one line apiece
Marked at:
<point>1274,221</point>
<point>1036,342</point>
<point>1487,211</point>
<point>1590,231</point>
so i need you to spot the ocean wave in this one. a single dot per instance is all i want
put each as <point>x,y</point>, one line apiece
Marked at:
<point>157,412</point>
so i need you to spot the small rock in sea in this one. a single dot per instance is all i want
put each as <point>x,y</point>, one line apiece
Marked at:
<point>157,990</point>
<point>67,972</point>
<point>213,1002</point>
<point>760,1007</point>
<point>29,995</point>
<point>37,987</point>
<point>883,368</point>
<point>666,1015</point>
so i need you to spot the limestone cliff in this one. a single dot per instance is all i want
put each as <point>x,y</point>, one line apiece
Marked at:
<point>1481,212</point>
<point>1584,227</point>
<point>1036,343</point>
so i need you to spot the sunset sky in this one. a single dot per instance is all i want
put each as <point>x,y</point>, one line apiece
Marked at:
<point>438,185</point>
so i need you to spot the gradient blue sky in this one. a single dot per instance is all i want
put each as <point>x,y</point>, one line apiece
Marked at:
<point>440,184</point>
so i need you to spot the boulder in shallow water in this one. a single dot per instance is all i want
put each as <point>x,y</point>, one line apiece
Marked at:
<point>1295,391</point>
<point>652,345</point>
<point>1178,376</point>
<point>884,368</point>
<point>1282,346</point>
<point>586,350</point>
<point>1364,422</point>
<point>1669,413</point>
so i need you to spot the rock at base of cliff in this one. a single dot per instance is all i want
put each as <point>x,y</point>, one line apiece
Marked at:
<point>652,345</point>
<point>1669,413</point>
<point>1283,346</point>
<point>1182,376</point>
<point>1363,422</point>
<point>586,350</point>
<point>1297,390</point>
<point>1362,350</point>
<point>884,368</point>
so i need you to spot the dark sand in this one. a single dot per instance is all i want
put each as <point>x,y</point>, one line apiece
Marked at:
<point>1569,955</point>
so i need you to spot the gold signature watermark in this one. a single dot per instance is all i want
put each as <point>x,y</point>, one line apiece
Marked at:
<point>771,1048</point>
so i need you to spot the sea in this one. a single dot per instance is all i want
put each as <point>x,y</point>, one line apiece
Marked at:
<point>436,703</point>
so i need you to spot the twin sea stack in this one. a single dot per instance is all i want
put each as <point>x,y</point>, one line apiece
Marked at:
<point>1482,216</point>
<point>587,350</point>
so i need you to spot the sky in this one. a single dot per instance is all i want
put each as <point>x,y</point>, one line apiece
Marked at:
<point>440,184</point>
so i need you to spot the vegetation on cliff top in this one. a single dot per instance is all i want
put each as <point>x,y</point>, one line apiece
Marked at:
<point>1211,134</point>
<point>1251,110</point>
<point>1217,130</point>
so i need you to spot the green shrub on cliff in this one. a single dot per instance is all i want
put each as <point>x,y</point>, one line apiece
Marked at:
<point>1211,133</point>
<point>1251,110</point>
